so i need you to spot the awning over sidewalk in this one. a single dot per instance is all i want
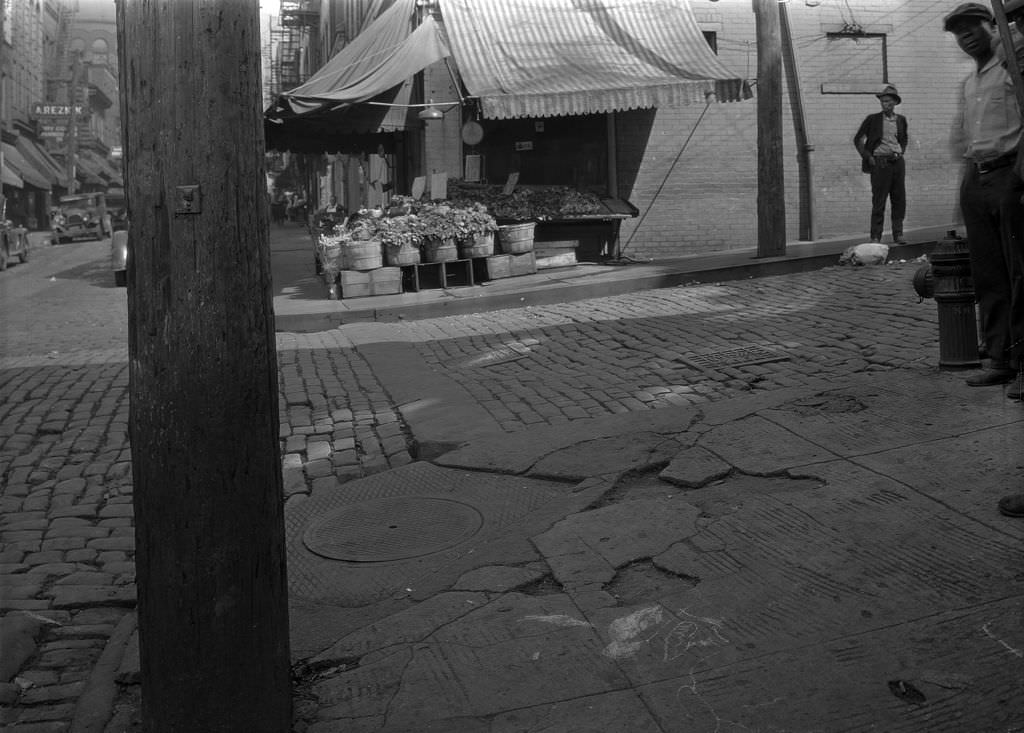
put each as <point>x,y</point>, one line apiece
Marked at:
<point>365,89</point>
<point>521,58</point>
<point>97,170</point>
<point>42,160</point>
<point>10,178</point>
<point>24,169</point>
<point>86,171</point>
<point>544,58</point>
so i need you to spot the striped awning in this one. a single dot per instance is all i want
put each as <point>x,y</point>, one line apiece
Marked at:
<point>10,178</point>
<point>24,169</point>
<point>544,58</point>
<point>43,161</point>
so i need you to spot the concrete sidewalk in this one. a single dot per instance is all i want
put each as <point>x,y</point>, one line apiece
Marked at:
<point>807,559</point>
<point>301,302</point>
<point>561,519</point>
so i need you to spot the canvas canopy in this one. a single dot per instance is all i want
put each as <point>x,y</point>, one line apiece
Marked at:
<point>25,170</point>
<point>520,58</point>
<point>544,58</point>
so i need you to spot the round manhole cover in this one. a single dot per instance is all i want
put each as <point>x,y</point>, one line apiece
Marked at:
<point>395,528</point>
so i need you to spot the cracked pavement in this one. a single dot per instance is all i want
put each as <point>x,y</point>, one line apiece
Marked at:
<point>807,541</point>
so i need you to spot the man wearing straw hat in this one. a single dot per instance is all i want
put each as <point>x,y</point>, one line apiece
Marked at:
<point>881,141</point>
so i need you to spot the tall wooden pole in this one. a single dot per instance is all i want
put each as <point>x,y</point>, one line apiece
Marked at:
<point>210,557</point>
<point>771,195</point>
<point>803,145</point>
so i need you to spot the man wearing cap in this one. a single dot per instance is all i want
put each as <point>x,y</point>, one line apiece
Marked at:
<point>881,141</point>
<point>989,133</point>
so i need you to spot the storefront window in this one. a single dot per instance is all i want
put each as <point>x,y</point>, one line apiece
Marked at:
<point>568,151</point>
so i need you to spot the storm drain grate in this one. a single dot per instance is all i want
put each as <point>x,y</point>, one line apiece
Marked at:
<point>741,356</point>
<point>394,528</point>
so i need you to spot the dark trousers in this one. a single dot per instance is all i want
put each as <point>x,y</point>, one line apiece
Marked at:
<point>888,183</point>
<point>994,219</point>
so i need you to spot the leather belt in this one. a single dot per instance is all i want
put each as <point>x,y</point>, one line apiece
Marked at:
<point>888,156</point>
<point>987,166</point>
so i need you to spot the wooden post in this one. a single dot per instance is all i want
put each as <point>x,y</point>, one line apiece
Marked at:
<point>210,554</point>
<point>771,195</point>
<point>804,148</point>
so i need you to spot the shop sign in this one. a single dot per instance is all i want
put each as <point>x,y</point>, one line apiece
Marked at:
<point>43,110</point>
<point>57,129</point>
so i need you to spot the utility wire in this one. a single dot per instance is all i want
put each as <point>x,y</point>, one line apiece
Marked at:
<point>664,180</point>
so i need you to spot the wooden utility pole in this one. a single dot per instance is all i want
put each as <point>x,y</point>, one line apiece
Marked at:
<point>210,552</point>
<point>71,133</point>
<point>803,145</point>
<point>771,195</point>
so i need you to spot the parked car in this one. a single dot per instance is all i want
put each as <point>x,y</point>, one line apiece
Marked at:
<point>13,243</point>
<point>80,215</point>
<point>117,209</point>
<point>119,256</point>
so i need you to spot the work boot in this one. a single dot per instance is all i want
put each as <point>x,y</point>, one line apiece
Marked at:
<point>998,373</point>
<point>897,232</point>
<point>1016,390</point>
<point>1012,505</point>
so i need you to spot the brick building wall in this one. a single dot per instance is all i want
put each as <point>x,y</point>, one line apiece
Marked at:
<point>700,196</point>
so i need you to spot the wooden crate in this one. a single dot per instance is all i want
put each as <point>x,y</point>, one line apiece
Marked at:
<point>496,267</point>
<point>382,281</point>
<point>524,264</point>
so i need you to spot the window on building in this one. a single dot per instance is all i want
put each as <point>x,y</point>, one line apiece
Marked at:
<point>712,38</point>
<point>857,62</point>
<point>100,52</point>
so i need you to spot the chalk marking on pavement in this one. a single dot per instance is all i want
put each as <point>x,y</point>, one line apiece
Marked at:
<point>699,631</point>
<point>1013,650</point>
<point>623,632</point>
<point>558,619</point>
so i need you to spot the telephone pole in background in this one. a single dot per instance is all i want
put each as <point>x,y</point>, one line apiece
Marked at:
<point>209,515</point>
<point>71,134</point>
<point>771,189</point>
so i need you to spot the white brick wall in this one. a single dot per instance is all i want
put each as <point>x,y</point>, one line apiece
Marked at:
<point>708,201</point>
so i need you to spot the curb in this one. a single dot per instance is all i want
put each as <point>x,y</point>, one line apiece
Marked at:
<point>95,706</point>
<point>569,291</point>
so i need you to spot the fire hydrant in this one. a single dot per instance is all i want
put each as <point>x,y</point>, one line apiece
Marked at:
<point>947,278</point>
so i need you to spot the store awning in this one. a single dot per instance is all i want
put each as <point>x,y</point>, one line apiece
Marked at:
<point>86,171</point>
<point>24,169</point>
<point>383,56</point>
<point>544,58</point>
<point>10,178</point>
<point>42,160</point>
<point>106,169</point>
<point>365,89</point>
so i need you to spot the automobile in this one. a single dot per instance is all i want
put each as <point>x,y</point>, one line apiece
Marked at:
<point>117,209</point>
<point>119,256</point>
<point>13,243</point>
<point>80,215</point>
<point>117,215</point>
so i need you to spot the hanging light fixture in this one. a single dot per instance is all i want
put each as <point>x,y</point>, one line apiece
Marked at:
<point>431,112</point>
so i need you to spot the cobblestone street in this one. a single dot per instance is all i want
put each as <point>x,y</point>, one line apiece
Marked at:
<point>66,537</point>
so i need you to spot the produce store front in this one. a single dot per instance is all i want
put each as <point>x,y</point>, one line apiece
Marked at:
<point>543,82</point>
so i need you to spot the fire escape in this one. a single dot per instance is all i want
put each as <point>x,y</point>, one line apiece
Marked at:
<point>292,41</point>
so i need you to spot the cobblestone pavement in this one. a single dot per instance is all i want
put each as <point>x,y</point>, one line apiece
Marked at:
<point>66,535</point>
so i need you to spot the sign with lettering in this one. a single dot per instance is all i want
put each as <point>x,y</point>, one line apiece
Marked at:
<point>41,110</point>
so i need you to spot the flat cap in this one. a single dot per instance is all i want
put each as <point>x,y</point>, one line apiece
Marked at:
<point>967,10</point>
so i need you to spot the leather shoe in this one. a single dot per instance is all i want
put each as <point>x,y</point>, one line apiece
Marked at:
<point>1012,505</point>
<point>989,377</point>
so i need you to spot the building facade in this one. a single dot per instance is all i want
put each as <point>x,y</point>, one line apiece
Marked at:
<point>59,106</point>
<point>691,171</point>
